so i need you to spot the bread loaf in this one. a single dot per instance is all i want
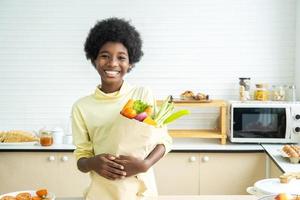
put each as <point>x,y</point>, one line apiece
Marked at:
<point>201,96</point>
<point>187,95</point>
<point>17,136</point>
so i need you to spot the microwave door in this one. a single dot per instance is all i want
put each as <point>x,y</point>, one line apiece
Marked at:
<point>259,123</point>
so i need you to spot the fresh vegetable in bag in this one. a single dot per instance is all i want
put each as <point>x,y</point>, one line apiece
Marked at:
<point>138,110</point>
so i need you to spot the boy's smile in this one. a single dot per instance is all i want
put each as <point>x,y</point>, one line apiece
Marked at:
<point>112,73</point>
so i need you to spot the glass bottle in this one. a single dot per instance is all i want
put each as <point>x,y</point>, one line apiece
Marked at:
<point>244,89</point>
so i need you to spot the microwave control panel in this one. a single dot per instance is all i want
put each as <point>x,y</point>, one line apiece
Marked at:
<point>295,112</point>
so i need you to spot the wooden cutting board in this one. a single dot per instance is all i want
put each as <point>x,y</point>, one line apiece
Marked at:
<point>178,100</point>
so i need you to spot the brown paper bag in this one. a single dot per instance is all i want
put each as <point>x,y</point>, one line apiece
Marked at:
<point>138,139</point>
<point>132,138</point>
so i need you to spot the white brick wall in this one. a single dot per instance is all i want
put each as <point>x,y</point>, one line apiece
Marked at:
<point>202,45</point>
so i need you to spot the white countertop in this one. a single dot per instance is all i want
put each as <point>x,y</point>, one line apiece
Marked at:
<point>179,144</point>
<point>194,144</point>
<point>283,163</point>
<point>36,146</point>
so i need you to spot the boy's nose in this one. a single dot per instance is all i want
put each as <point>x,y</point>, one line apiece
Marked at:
<point>113,62</point>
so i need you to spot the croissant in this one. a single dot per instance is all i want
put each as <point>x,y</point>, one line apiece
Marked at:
<point>292,151</point>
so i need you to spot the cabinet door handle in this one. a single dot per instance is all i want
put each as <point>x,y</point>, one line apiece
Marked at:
<point>64,158</point>
<point>205,159</point>
<point>192,159</point>
<point>51,158</point>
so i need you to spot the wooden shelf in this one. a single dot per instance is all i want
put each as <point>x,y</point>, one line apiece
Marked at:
<point>217,134</point>
<point>213,103</point>
<point>196,133</point>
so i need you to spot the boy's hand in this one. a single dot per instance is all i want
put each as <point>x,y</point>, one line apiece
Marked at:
<point>132,165</point>
<point>105,166</point>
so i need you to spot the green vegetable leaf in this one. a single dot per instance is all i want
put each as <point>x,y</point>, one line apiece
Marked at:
<point>175,116</point>
<point>139,106</point>
<point>165,114</point>
<point>165,111</point>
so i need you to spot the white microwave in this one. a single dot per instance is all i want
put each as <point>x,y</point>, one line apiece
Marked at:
<point>264,122</point>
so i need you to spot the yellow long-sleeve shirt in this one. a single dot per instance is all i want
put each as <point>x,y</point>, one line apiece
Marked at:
<point>92,118</point>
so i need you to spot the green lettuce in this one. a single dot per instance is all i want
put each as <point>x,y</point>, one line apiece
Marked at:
<point>139,106</point>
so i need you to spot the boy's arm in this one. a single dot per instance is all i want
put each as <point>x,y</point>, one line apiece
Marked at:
<point>104,165</point>
<point>133,165</point>
<point>156,154</point>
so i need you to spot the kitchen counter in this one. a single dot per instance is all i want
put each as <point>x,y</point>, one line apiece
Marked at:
<point>283,163</point>
<point>179,145</point>
<point>212,145</point>
<point>37,147</point>
<point>184,197</point>
<point>184,145</point>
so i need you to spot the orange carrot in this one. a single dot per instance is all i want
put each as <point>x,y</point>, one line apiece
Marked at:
<point>129,113</point>
<point>129,104</point>
<point>150,121</point>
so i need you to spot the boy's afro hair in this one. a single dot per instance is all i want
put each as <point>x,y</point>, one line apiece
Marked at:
<point>113,30</point>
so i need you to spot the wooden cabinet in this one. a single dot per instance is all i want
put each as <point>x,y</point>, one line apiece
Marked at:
<point>218,133</point>
<point>177,174</point>
<point>230,173</point>
<point>55,171</point>
<point>208,173</point>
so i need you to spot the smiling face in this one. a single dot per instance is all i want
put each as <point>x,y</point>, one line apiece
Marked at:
<point>112,63</point>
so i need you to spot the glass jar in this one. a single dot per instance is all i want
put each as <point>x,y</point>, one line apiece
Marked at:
<point>46,138</point>
<point>261,92</point>
<point>244,89</point>
<point>278,93</point>
<point>291,93</point>
<point>57,134</point>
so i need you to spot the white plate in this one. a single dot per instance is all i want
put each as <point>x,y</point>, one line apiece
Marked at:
<point>18,143</point>
<point>50,195</point>
<point>269,197</point>
<point>273,186</point>
<point>272,197</point>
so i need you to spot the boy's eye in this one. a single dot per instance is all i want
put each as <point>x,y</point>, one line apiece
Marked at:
<point>122,58</point>
<point>104,56</point>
